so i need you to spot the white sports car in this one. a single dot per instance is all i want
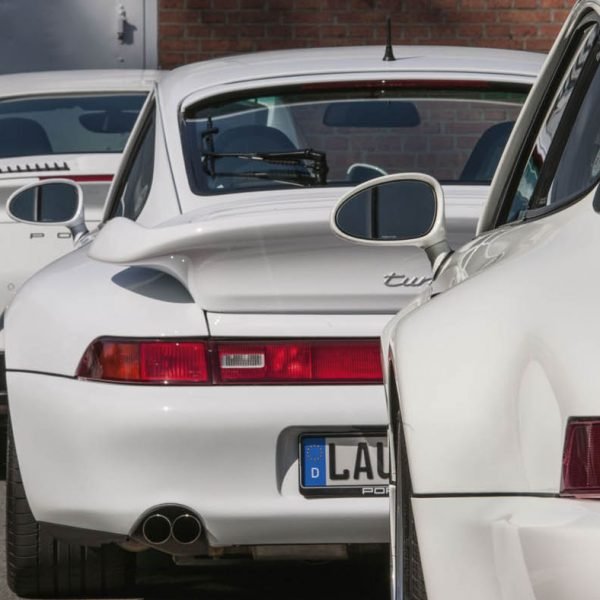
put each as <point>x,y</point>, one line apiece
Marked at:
<point>71,124</point>
<point>202,375</point>
<point>492,374</point>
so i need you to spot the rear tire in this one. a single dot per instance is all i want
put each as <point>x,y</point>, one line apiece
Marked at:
<point>38,565</point>
<point>408,568</point>
<point>3,445</point>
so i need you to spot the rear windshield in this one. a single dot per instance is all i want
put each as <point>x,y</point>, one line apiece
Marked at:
<point>67,124</point>
<point>343,136</point>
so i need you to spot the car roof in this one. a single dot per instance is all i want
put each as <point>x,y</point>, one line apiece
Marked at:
<point>452,62</point>
<point>93,80</point>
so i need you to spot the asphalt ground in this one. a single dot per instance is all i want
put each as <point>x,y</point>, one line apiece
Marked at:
<point>365,579</point>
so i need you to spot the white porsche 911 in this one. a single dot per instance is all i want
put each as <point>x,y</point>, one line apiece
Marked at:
<point>202,374</point>
<point>72,124</point>
<point>492,374</point>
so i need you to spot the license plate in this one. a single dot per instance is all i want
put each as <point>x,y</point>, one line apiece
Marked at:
<point>344,464</point>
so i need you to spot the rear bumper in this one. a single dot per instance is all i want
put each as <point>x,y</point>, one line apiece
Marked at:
<point>98,456</point>
<point>522,548</point>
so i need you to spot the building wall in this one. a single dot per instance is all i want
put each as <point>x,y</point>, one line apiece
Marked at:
<point>192,30</point>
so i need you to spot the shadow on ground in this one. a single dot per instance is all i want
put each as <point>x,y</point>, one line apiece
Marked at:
<point>348,580</point>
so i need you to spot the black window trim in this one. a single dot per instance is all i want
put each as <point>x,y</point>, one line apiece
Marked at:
<point>561,137</point>
<point>149,115</point>
<point>524,153</point>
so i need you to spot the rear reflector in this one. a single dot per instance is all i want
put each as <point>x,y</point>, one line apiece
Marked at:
<point>233,362</point>
<point>581,459</point>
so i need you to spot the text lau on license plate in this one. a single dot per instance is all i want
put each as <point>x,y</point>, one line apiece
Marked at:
<point>344,465</point>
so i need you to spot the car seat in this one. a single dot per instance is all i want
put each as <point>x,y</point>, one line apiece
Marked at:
<point>253,138</point>
<point>484,158</point>
<point>22,137</point>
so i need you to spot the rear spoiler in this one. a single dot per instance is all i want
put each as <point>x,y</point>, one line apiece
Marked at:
<point>173,249</point>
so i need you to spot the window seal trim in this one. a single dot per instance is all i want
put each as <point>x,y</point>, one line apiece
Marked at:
<point>132,153</point>
<point>502,209</point>
<point>557,147</point>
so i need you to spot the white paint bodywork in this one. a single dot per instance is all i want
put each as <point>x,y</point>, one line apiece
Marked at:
<point>509,548</point>
<point>520,398</point>
<point>244,265</point>
<point>36,246</point>
<point>511,366</point>
<point>487,367</point>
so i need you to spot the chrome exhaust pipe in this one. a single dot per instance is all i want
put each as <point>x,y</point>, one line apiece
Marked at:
<point>156,529</point>
<point>186,529</point>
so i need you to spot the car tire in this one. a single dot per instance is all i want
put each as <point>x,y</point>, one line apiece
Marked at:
<point>411,569</point>
<point>3,445</point>
<point>39,565</point>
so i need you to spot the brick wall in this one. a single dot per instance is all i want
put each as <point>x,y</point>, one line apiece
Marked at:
<point>191,30</point>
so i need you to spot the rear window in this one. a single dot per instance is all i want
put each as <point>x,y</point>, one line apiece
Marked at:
<point>343,136</point>
<point>67,124</point>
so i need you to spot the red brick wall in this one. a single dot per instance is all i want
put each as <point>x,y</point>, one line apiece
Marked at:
<point>191,30</point>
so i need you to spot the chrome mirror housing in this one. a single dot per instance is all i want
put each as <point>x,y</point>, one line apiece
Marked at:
<point>396,210</point>
<point>50,202</point>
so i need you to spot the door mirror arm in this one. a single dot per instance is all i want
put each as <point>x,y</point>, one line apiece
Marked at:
<point>437,255</point>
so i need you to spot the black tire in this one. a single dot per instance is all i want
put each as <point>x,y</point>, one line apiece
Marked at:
<point>39,565</point>
<point>408,557</point>
<point>3,445</point>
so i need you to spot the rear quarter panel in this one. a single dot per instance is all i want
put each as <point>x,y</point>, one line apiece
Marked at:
<point>489,371</point>
<point>68,304</point>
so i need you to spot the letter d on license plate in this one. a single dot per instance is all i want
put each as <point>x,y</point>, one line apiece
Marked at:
<point>344,464</point>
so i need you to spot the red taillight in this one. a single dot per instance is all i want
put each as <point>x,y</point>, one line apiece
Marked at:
<point>173,362</point>
<point>83,178</point>
<point>419,84</point>
<point>264,362</point>
<point>352,361</point>
<point>145,361</point>
<point>322,361</point>
<point>581,458</point>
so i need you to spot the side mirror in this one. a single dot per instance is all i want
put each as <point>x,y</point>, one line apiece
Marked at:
<point>405,209</point>
<point>51,202</point>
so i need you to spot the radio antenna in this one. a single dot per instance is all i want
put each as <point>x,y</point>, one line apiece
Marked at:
<point>389,51</point>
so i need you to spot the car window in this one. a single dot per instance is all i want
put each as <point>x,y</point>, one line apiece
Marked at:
<point>135,181</point>
<point>67,124</point>
<point>346,134</point>
<point>564,159</point>
<point>579,165</point>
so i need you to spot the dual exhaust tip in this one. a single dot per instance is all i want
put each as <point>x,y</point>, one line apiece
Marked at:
<point>158,529</point>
